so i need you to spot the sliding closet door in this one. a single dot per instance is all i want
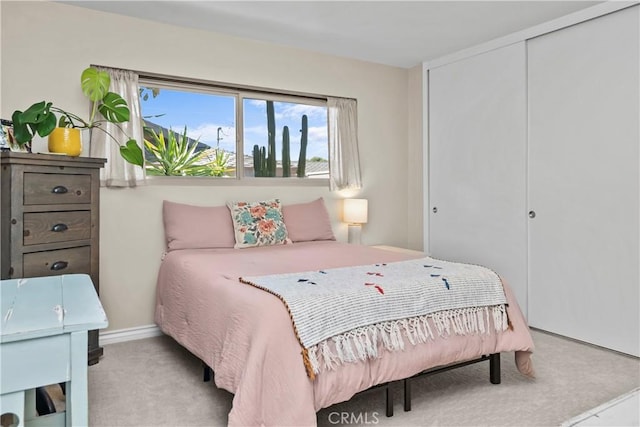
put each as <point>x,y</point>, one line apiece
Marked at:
<point>584,182</point>
<point>477,158</point>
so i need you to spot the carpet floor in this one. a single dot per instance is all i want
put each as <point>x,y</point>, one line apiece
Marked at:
<point>155,382</point>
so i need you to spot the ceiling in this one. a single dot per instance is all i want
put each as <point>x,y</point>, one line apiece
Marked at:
<point>397,33</point>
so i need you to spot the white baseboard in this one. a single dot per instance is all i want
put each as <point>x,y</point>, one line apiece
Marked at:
<point>129,334</point>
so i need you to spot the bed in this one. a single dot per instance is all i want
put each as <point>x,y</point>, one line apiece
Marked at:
<point>246,336</point>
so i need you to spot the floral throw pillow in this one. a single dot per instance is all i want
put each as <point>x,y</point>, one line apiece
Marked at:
<point>258,223</point>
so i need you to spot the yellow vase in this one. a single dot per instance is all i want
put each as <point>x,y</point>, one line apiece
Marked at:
<point>65,141</point>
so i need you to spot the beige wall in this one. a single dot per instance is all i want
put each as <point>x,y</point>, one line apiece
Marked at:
<point>46,45</point>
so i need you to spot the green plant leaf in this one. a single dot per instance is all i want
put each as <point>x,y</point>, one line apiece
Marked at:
<point>176,155</point>
<point>35,114</point>
<point>132,153</point>
<point>95,84</point>
<point>21,131</point>
<point>47,125</point>
<point>36,119</point>
<point>114,108</point>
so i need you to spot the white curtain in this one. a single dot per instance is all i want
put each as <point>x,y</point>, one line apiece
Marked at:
<point>344,158</point>
<point>118,172</point>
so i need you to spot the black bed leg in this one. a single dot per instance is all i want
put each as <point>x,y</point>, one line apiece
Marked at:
<point>494,368</point>
<point>389,397</point>
<point>207,371</point>
<point>407,395</point>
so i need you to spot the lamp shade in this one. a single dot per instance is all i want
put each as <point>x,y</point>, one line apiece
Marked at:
<point>355,211</point>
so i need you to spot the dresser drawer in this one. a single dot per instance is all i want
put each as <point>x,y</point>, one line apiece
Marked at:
<point>49,227</point>
<point>54,188</point>
<point>61,261</point>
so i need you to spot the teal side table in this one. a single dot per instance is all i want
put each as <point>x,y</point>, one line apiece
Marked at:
<point>44,326</point>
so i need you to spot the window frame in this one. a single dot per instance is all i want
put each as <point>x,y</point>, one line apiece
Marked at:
<point>240,93</point>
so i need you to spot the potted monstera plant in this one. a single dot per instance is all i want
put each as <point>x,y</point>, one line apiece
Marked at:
<point>42,119</point>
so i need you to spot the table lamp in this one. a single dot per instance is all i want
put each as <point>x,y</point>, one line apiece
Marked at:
<point>355,214</point>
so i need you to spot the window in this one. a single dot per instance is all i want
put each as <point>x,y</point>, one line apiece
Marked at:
<point>202,130</point>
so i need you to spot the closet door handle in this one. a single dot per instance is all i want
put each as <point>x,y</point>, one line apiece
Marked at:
<point>435,209</point>
<point>532,214</point>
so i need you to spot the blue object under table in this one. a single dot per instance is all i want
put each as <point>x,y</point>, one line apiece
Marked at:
<point>44,326</point>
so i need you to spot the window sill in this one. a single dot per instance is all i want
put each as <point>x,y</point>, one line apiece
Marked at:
<point>235,182</point>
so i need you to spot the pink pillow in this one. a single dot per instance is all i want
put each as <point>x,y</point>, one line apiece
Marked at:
<point>308,221</point>
<point>197,227</point>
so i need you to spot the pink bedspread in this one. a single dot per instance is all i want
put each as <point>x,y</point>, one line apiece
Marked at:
<point>245,334</point>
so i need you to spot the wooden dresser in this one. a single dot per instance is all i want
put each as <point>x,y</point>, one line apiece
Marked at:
<point>50,220</point>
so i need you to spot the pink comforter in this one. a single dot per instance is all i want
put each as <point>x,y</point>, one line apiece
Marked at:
<point>245,334</point>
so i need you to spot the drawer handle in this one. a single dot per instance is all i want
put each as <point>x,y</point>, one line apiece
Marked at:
<point>59,189</point>
<point>58,228</point>
<point>59,265</point>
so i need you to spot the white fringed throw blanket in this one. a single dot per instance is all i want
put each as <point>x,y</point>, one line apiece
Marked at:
<point>358,308</point>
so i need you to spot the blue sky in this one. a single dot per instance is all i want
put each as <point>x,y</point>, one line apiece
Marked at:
<point>203,114</point>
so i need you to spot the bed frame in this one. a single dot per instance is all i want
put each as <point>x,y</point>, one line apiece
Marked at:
<point>494,375</point>
<point>494,378</point>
